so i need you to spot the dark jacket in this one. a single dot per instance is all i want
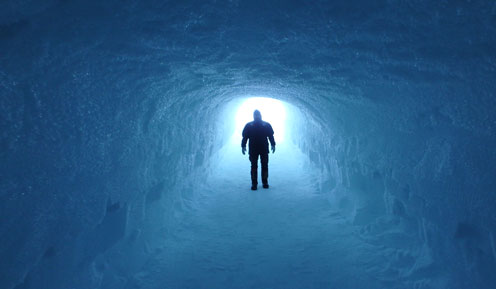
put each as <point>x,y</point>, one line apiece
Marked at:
<point>258,132</point>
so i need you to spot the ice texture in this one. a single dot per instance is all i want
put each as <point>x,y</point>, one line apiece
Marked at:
<point>116,172</point>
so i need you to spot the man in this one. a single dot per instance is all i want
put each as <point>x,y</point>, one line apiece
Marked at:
<point>257,132</point>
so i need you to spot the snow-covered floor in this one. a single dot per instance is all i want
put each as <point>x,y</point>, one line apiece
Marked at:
<point>284,237</point>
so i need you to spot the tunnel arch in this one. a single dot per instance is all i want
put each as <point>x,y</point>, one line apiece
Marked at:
<point>108,110</point>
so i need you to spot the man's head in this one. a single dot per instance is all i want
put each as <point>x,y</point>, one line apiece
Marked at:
<point>257,116</point>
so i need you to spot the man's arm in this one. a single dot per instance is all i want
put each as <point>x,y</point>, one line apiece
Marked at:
<point>271,136</point>
<point>245,136</point>
<point>244,140</point>
<point>271,139</point>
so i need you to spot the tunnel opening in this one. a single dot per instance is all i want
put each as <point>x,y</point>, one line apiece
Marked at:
<point>272,110</point>
<point>286,120</point>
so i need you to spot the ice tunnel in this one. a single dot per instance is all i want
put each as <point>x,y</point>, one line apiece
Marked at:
<point>121,164</point>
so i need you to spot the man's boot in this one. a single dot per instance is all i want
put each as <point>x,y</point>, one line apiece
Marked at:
<point>265,184</point>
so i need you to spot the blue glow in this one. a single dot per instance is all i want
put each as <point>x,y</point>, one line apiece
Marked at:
<point>273,111</point>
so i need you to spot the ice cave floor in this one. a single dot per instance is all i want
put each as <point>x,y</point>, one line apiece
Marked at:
<point>284,237</point>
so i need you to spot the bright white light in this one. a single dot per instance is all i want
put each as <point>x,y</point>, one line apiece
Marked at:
<point>272,110</point>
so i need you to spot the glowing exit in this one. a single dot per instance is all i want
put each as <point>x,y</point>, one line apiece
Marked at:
<point>273,111</point>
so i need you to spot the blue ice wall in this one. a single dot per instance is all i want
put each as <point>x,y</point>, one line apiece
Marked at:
<point>106,108</point>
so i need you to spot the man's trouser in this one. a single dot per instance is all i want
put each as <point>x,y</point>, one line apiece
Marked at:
<point>264,159</point>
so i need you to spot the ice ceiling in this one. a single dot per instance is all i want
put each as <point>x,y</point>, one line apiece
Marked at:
<point>114,114</point>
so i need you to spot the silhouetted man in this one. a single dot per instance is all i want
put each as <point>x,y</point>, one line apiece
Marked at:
<point>257,131</point>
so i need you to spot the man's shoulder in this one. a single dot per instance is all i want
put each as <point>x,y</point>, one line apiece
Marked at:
<point>258,124</point>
